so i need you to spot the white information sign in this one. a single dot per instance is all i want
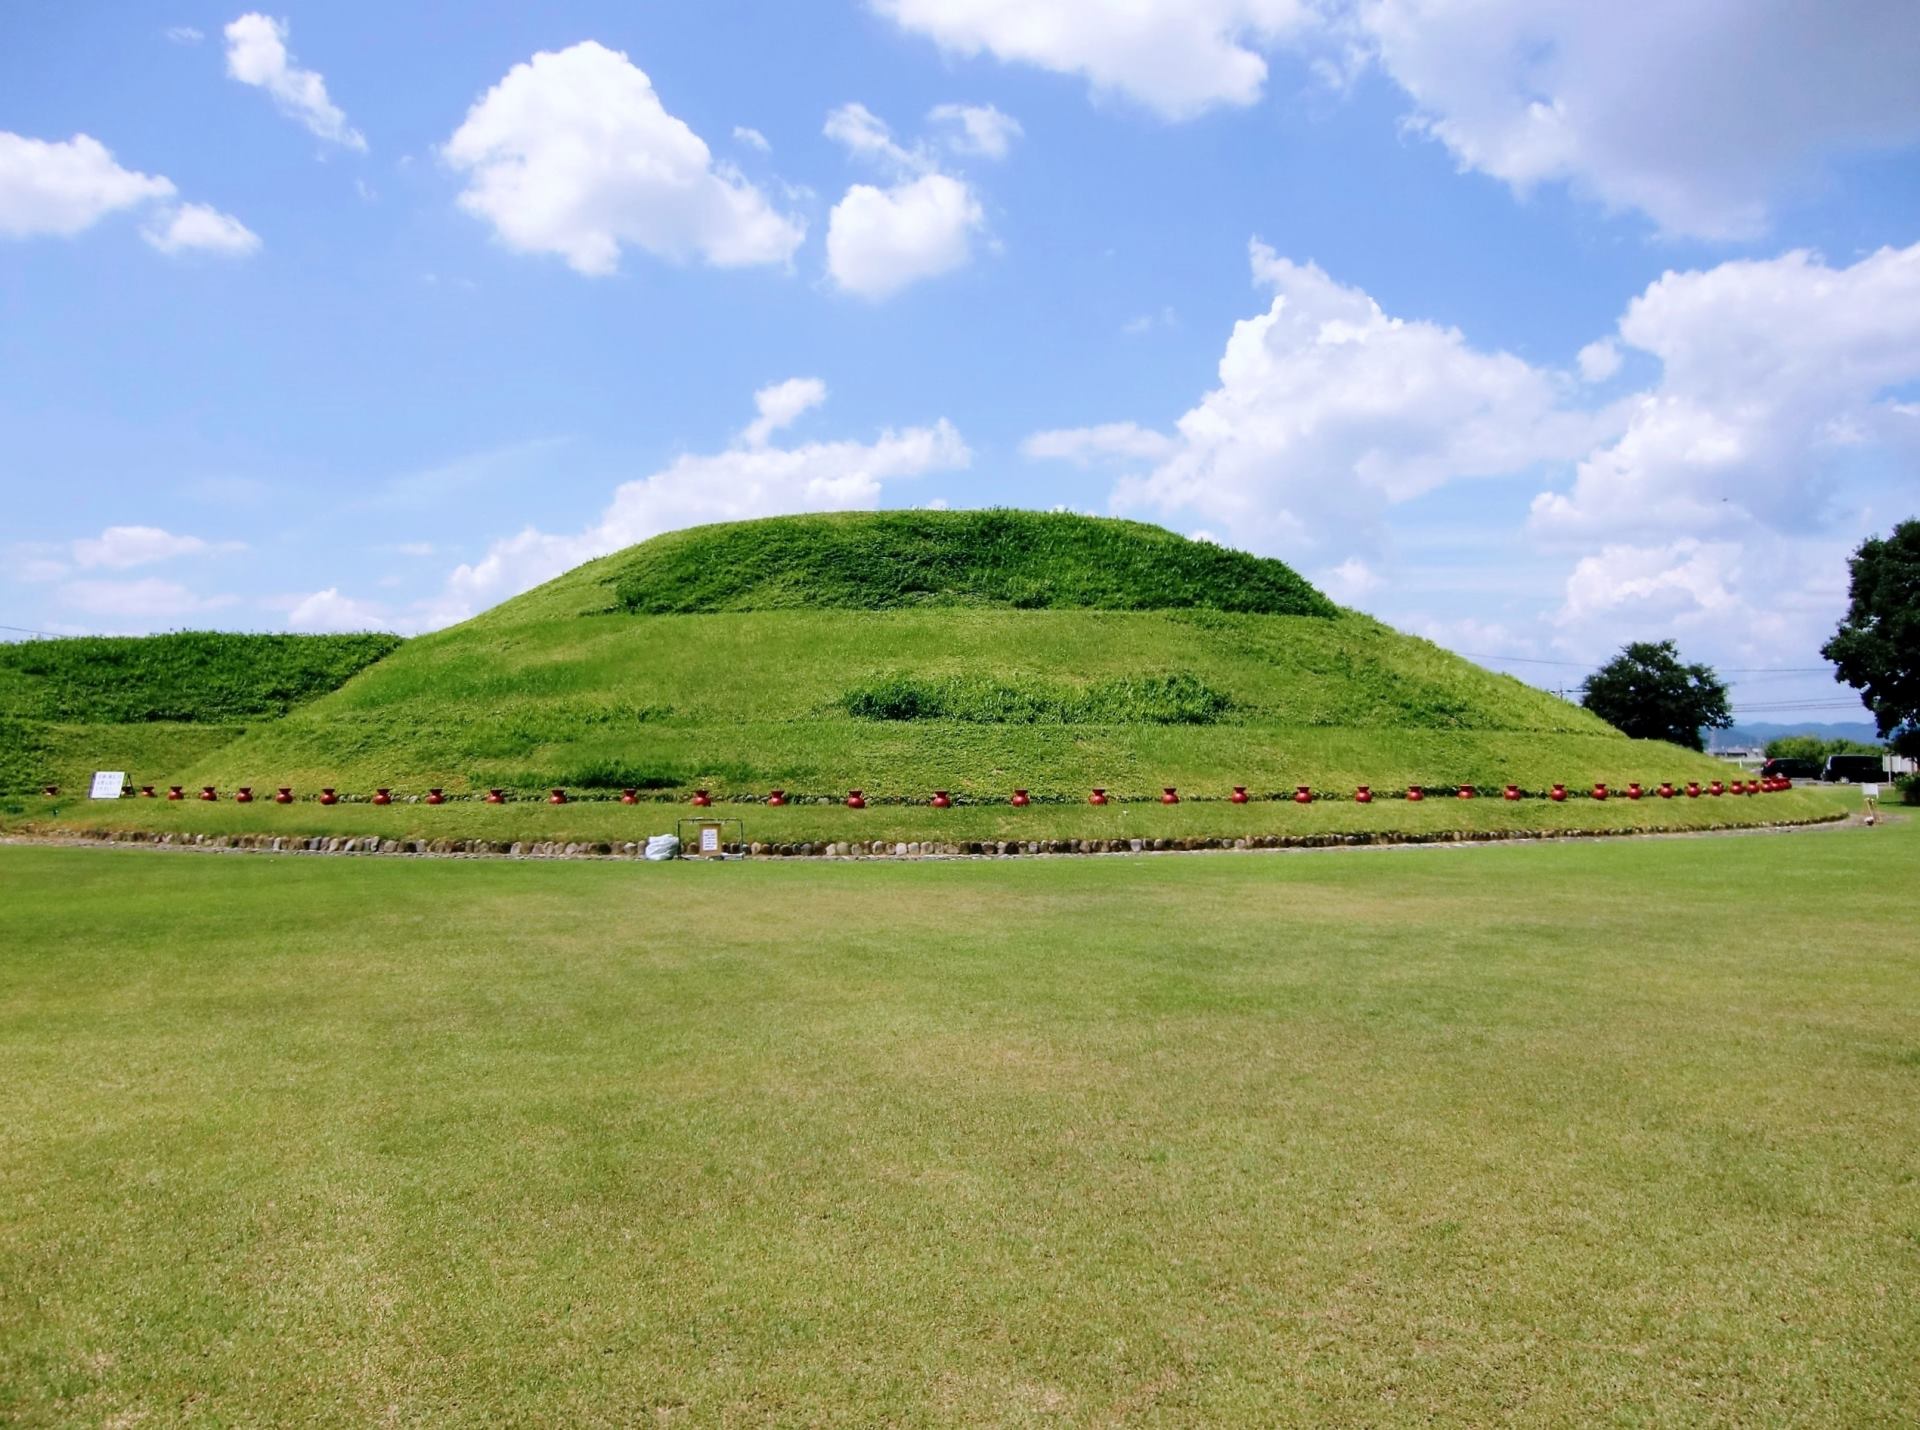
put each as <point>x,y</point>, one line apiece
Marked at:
<point>108,784</point>
<point>709,839</point>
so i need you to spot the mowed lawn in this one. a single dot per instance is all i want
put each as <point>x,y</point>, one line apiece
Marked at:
<point>1626,1132</point>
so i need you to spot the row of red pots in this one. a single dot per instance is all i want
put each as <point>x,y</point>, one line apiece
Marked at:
<point>1303,794</point>
<point>942,799</point>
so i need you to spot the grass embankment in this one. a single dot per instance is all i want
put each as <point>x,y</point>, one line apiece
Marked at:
<point>760,700</point>
<point>608,821</point>
<point>1405,1138</point>
<point>155,704</point>
<point>899,653</point>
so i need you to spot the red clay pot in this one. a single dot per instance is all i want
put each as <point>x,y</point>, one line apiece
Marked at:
<point>629,796</point>
<point>558,796</point>
<point>146,792</point>
<point>1600,789</point>
<point>208,793</point>
<point>1693,789</point>
<point>283,795</point>
<point>383,796</point>
<point>1558,794</point>
<point>327,796</point>
<point>942,800</point>
<point>176,792</point>
<point>1513,792</point>
<point>1239,795</point>
<point>1716,788</point>
<point>777,798</point>
<point>1020,799</point>
<point>1363,795</point>
<point>1753,786</point>
<point>1303,794</point>
<point>1634,791</point>
<point>856,799</point>
<point>1667,790</point>
<point>1169,795</point>
<point>434,796</point>
<point>1736,787</point>
<point>702,800</point>
<point>1415,794</point>
<point>1467,792</point>
<point>1099,796</point>
<point>243,795</point>
<point>495,796</point>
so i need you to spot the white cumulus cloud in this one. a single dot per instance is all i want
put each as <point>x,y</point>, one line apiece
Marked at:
<point>1108,442</point>
<point>1695,114</point>
<point>780,405</point>
<point>1775,374</point>
<point>1176,57</point>
<point>1329,411</point>
<point>572,153</point>
<point>200,228</point>
<point>1599,360</point>
<point>60,188</point>
<point>977,129</point>
<point>121,547</point>
<point>327,612</point>
<point>257,55</point>
<point>880,241</point>
<point>1699,115</point>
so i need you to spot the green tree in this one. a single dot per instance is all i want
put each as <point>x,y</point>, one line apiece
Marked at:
<point>1876,649</point>
<point>1646,692</point>
<point>1797,747</point>
<point>1812,747</point>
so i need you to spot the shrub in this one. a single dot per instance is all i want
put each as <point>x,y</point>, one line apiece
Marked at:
<point>1135,700</point>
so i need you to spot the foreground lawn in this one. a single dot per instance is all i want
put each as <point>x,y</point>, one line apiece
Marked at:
<point>1622,1132</point>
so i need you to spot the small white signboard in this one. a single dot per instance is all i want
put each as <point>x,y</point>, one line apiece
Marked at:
<point>108,784</point>
<point>709,839</point>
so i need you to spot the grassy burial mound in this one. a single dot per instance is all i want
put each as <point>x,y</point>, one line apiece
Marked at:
<point>155,705</point>
<point>904,652</point>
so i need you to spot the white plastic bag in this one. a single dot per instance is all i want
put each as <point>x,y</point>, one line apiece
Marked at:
<point>663,846</point>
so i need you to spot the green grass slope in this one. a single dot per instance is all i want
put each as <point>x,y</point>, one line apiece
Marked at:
<point>889,560</point>
<point>877,650</point>
<point>153,705</point>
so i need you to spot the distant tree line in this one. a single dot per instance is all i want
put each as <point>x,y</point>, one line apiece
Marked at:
<point>1812,747</point>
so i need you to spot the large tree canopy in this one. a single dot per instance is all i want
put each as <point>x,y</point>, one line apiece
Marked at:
<point>1876,650</point>
<point>1649,694</point>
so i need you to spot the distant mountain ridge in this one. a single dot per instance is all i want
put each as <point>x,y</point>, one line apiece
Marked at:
<point>1757,733</point>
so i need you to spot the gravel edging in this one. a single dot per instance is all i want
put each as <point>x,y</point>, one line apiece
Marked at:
<point>876,849</point>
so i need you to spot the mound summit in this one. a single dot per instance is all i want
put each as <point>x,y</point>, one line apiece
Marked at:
<point>906,651</point>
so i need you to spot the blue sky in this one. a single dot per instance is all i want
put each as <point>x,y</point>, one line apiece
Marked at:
<point>1531,328</point>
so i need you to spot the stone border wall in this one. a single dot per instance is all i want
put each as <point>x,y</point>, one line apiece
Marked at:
<point>861,849</point>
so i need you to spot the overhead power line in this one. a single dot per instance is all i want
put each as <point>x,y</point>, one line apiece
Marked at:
<point>1584,665</point>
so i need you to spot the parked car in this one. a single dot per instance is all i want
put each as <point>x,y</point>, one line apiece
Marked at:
<point>1854,770</point>
<point>1791,769</point>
